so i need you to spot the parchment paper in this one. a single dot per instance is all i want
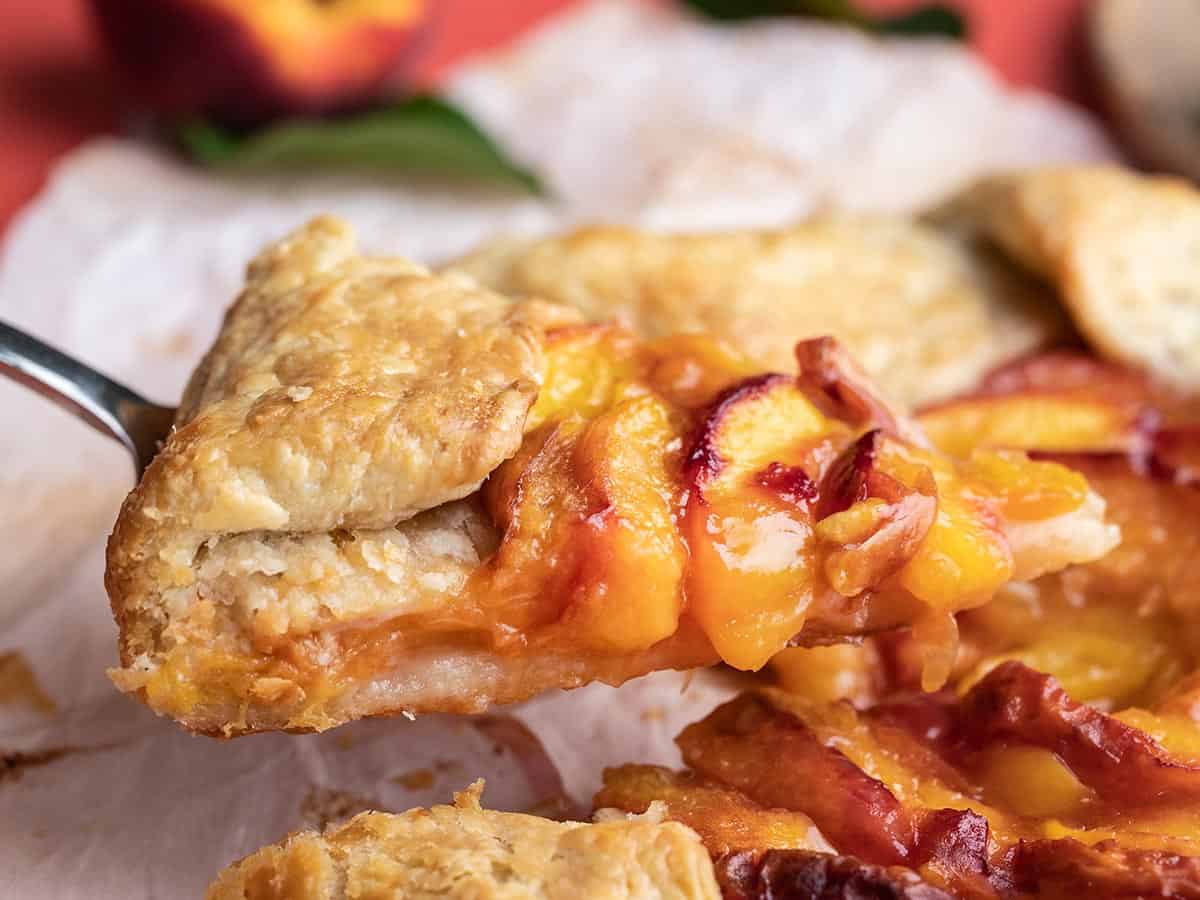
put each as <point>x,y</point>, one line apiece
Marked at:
<point>128,259</point>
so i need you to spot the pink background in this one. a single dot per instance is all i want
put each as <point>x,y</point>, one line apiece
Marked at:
<point>55,89</point>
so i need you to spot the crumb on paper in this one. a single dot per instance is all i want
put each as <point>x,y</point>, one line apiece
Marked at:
<point>470,796</point>
<point>322,805</point>
<point>415,780</point>
<point>14,765</point>
<point>19,685</point>
<point>653,714</point>
<point>178,343</point>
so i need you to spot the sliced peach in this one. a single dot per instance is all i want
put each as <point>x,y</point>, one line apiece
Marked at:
<point>1034,421</point>
<point>748,519</point>
<point>1015,705</point>
<point>1025,489</point>
<point>726,819</point>
<point>750,581</point>
<point>1177,454</point>
<point>1070,371</point>
<point>597,498</point>
<point>779,760</point>
<point>690,370</point>
<point>872,520</point>
<point>964,557</point>
<point>629,545</point>
<point>586,367</point>
<point>839,385</point>
<point>756,423</point>
<point>536,499</point>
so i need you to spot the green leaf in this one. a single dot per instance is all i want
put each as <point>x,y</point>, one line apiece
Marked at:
<point>935,19</point>
<point>422,135</point>
<point>740,10</point>
<point>926,20</point>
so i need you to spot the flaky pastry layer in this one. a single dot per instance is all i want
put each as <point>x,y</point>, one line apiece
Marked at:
<point>463,851</point>
<point>926,312</point>
<point>1122,249</point>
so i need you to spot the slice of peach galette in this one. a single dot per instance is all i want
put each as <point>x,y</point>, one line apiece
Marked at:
<point>389,491</point>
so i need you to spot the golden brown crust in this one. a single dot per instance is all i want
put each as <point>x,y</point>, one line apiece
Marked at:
<point>347,392</point>
<point>1122,249</point>
<point>210,690</point>
<point>926,312</point>
<point>343,393</point>
<point>463,851</point>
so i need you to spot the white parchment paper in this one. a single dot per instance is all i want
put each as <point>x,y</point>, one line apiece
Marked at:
<point>128,259</point>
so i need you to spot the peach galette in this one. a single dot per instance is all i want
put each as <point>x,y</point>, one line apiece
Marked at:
<point>1063,757</point>
<point>389,491</point>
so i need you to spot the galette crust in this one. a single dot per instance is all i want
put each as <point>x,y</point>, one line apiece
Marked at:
<point>347,391</point>
<point>926,312</point>
<point>465,852</point>
<point>1122,249</point>
<point>344,393</point>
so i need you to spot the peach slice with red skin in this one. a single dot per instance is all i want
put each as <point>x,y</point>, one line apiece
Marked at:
<point>749,517</point>
<point>596,497</point>
<point>1056,423</point>
<point>839,385</point>
<point>856,812</point>
<point>875,520</point>
<point>593,489</point>
<point>1068,404</point>
<point>243,63</point>
<point>765,541</point>
<point>660,487</point>
<point>1063,402</point>
<point>1016,706</point>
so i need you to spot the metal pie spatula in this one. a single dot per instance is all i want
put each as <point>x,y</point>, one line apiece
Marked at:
<point>112,409</point>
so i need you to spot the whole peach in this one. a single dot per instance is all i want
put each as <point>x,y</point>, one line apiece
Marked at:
<point>245,61</point>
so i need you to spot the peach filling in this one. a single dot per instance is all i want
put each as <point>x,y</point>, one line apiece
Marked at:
<point>663,481</point>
